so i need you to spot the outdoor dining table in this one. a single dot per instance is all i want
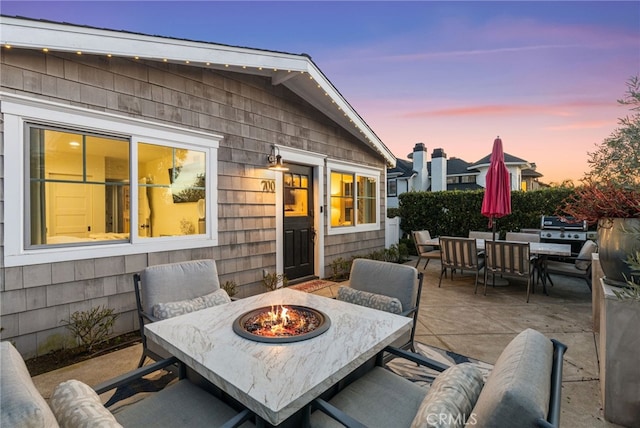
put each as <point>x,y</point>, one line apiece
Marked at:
<point>541,249</point>
<point>277,380</point>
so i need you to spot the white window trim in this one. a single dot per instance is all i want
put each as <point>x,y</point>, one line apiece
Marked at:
<point>357,170</point>
<point>18,110</point>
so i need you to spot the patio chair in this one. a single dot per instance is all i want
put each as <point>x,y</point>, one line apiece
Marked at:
<point>73,403</point>
<point>167,290</point>
<point>523,237</point>
<point>387,286</point>
<point>577,267</point>
<point>459,254</point>
<point>508,258</point>
<point>523,390</point>
<point>481,235</point>
<point>424,251</point>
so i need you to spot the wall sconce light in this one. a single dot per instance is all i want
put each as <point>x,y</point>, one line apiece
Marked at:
<point>274,160</point>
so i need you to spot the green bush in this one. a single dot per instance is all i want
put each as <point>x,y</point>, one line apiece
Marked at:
<point>455,213</point>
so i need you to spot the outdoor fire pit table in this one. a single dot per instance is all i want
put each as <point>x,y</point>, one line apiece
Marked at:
<point>275,380</point>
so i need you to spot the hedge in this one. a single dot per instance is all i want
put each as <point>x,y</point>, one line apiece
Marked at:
<point>455,213</point>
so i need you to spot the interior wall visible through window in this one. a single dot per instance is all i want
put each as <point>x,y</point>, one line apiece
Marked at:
<point>80,189</point>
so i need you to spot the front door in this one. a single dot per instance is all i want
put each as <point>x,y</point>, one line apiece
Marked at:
<point>298,221</point>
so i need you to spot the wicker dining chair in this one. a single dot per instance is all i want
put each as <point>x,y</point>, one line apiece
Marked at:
<point>459,254</point>
<point>427,252</point>
<point>508,258</point>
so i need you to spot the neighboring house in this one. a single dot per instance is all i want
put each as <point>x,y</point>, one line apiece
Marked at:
<point>125,150</point>
<point>441,173</point>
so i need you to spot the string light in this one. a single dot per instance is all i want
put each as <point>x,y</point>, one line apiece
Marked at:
<point>45,50</point>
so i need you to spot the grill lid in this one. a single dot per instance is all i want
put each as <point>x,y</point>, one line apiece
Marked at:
<point>562,223</point>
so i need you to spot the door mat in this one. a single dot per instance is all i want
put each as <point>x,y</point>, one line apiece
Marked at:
<point>311,286</point>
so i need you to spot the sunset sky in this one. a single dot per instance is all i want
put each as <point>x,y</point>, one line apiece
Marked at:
<point>544,76</point>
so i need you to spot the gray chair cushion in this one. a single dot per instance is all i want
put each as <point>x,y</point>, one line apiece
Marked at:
<point>517,391</point>
<point>371,300</point>
<point>584,257</point>
<point>76,405</point>
<point>21,405</point>
<point>390,279</point>
<point>173,282</point>
<point>179,405</point>
<point>377,399</point>
<point>451,398</point>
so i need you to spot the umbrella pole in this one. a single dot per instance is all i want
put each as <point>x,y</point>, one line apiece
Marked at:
<point>493,227</point>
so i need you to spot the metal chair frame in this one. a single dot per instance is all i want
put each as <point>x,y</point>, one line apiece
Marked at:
<point>459,253</point>
<point>508,258</point>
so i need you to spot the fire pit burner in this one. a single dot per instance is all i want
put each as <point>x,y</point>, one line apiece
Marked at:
<point>281,324</point>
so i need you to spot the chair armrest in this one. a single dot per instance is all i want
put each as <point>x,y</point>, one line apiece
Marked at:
<point>149,317</point>
<point>555,399</point>
<point>417,358</point>
<point>408,312</point>
<point>135,374</point>
<point>335,413</point>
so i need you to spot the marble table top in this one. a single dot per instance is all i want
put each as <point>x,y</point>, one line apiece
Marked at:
<point>276,380</point>
<point>540,248</point>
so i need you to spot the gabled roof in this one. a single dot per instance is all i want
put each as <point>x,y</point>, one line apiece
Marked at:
<point>403,168</point>
<point>508,159</point>
<point>457,166</point>
<point>295,71</point>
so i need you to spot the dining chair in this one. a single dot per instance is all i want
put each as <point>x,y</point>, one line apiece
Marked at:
<point>475,234</point>
<point>576,267</point>
<point>387,286</point>
<point>522,237</point>
<point>459,254</point>
<point>172,289</point>
<point>427,252</point>
<point>508,258</point>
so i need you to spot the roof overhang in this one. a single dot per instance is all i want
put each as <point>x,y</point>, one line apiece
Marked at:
<point>295,71</point>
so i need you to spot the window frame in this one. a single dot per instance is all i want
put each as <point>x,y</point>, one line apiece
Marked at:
<point>356,171</point>
<point>395,186</point>
<point>20,111</point>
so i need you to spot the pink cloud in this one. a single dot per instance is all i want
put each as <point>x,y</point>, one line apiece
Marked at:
<point>564,109</point>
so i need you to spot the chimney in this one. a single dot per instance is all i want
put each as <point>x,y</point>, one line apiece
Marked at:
<point>421,180</point>
<point>438,170</point>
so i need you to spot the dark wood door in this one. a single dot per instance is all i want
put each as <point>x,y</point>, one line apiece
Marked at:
<point>298,221</point>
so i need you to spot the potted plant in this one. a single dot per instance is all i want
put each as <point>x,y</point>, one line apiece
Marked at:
<point>615,208</point>
<point>610,193</point>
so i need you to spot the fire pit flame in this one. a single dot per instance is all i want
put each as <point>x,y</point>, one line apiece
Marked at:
<point>281,324</point>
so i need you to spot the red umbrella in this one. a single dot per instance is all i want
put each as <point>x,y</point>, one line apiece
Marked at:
<point>497,196</point>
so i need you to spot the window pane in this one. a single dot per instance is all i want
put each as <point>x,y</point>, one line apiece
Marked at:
<point>171,191</point>
<point>296,196</point>
<point>77,183</point>
<point>341,199</point>
<point>366,200</point>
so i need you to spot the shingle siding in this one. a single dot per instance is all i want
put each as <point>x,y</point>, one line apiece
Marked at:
<point>248,111</point>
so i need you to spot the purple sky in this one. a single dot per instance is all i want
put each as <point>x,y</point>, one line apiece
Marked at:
<point>544,76</point>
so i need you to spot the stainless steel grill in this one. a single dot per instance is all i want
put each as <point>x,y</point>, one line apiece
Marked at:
<point>564,230</point>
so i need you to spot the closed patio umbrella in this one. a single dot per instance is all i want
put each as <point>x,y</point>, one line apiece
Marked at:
<point>496,202</point>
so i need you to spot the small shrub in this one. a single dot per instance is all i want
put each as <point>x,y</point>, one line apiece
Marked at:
<point>271,280</point>
<point>340,269</point>
<point>91,327</point>
<point>230,287</point>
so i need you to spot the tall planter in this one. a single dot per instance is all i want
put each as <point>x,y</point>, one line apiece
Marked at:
<point>617,239</point>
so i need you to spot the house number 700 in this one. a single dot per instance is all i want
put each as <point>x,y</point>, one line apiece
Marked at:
<point>268,186</point>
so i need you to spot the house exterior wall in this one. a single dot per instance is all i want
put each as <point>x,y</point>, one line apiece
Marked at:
<point>248,111</point>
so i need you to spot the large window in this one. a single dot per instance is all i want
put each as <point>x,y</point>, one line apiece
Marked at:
<point>85,184</point>
<point>80,189</point>
<point>353,200</point>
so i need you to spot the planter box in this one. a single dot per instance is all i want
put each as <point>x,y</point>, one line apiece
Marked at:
<point>619,363</point>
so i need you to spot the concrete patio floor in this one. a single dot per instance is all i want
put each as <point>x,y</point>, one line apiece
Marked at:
<point>454,318</point>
